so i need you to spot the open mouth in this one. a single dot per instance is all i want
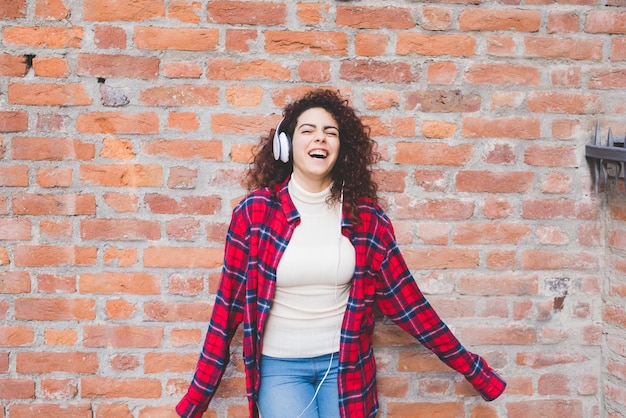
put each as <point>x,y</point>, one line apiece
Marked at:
<point>320,154</point>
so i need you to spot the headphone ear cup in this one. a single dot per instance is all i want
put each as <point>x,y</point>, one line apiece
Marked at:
<point>276,145</point>
<point>285,147</point>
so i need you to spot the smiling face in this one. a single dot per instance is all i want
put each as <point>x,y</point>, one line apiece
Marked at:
<point>315,146</point>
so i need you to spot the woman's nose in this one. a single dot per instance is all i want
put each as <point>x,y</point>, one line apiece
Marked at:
<point>320,136</point>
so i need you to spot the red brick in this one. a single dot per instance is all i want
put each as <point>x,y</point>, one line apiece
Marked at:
<point>513,127</point>
<point>182,39</point>
<point>607,79</point>
<point>554,260</point>
<point>500,285</point>
<point>121,10</point>
<point>378,71</point>
<point>83,410</point>
<point>435,45</point>
<point>16,335</point>
<point>43,36</point>
<point>185,229</point>
<point>605,21</point>
<point>185,337</point>
<point>436,18</point>
<point>54,204</point>
<point>494,182</point>
<point>489,233</point>
<point>557,408</point>
<point>246,12</point>
<point>184,149</point>
<point>122,202</point>
<point>117,66</point>
<point>558,208</point>
<point>312,13</point>
<point>499,335</point>
<point>183,257</point>
<point>501,46</point>
<point>501,260</point>
<point>61,337</point>
<point>13,65</point>
<point>362,17</point>
<point>173,312</point>
<point>170,362</point>
<point>188,205</point>
<point>322,43</point>
<point>241,124</point>
<point>54,389</point>
<point>442,73</point>
<point>618,49</point>
<point>425,409</point>
<point>443,101</point>
<point>430,180</point>
<point>17,389</point>
<point>122,336</point>
<point>575,49</point>
<point>551,156</point>
<point>55,283</point>
<point>49,255</point>
<point>185,178</point>
<point>13,9</point>
<point>121,175</point>
<point>54,177</point>
<point>107,283</point>
<point>186,11</point>
<point>441,258</point>
<point>56,149</point>
<point>229,69</point>
<point>370,44</point>
<point>504,74</point>
<point>239,40</point>
<point>102,387</point>
<point>571,103</point>
<point>117,149</point>
<point>51,67</point>
<point>398,127</point>
<point>183,121</point>
<point>433,153</point>
<point>15,229</point>
<point>119,230</point>
<point>54,309</point>
<point>14,282</point>
<point>120,309</point>
<point>500,20</point>
<point>181,284</point>
<point>50,362</point>
<point>504,99</point>
<point>563,22</point>
<point>109,37</point>
<point>381,99</point>
<point>445,208</point>
<point>13,121</point>
<point>14,176</point>
<point>48,94</point>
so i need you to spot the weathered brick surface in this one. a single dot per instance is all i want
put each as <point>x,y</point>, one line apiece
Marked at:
<point>125,130</point>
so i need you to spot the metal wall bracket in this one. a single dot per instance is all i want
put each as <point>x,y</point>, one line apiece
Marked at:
<point>611,154</point>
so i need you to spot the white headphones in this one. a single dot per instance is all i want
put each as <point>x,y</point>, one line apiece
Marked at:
<point>281,145</point>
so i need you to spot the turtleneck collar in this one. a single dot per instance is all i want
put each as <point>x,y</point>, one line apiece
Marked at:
<point>301,194</point>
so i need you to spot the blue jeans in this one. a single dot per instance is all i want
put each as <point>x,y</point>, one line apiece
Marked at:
<point>299,387</point>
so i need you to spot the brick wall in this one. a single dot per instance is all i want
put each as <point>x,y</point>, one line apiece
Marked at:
<point>614,308</point>
<point>126,125</point>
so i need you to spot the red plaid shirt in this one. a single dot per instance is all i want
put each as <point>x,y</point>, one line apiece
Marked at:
<point>260,229</point>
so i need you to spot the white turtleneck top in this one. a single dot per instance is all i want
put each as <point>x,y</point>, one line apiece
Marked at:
<point>312,281</point>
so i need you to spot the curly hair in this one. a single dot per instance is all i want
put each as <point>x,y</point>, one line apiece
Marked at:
<point>352,173</point>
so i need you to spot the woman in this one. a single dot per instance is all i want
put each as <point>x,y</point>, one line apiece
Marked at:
<point>308,256</point>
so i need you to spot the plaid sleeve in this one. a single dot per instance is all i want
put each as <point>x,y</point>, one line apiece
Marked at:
<point>226,316</point>
<point>401,300</point>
